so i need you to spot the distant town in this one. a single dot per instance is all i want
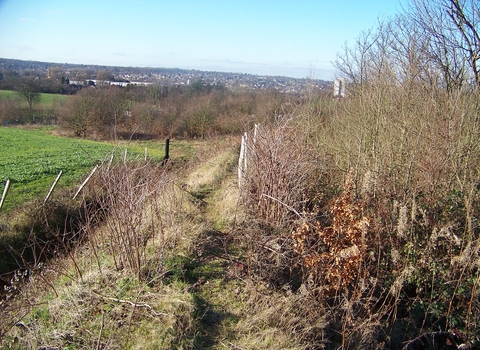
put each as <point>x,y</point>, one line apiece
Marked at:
<point>83,74</point>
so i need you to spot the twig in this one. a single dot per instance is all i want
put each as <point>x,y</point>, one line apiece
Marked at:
<point>145,305</point>
<point>230,345</point>
<point>100,333</point>
<point>286,205</point>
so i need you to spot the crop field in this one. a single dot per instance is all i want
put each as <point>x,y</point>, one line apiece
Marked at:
<point>46,100</point>
<point>32,158</point>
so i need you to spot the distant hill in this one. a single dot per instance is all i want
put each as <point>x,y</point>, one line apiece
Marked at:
<point>163,75</point>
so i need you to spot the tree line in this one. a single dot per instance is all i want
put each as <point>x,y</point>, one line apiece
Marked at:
<point>198,110</point>
<point>104,111</point>
<point>16,81</point>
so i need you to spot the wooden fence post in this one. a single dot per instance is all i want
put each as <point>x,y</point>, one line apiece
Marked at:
<point>167,152</point>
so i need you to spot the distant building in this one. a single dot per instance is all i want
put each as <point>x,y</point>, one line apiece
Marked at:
<point>106,82</point>
<point>339,87</point>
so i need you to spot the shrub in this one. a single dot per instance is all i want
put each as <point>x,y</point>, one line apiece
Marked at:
<point>125,197</point>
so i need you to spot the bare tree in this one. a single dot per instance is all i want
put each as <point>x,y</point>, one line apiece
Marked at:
<point>452,28</point>
<point>80,113</point>
<point>433,42</point>
<point>30,91</point>
<point>353,62</point>
<point>105,76</point>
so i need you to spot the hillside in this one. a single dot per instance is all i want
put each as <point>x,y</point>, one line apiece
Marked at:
<point>337,222</point>
<point>193,293</point>
<point>164,76</point>
<point>177,260</point>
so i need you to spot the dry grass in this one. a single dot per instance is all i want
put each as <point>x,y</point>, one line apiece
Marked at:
<point>385,252</point>
<point>208,172</point>
<point>314,255</point>
<point>95,298</point>
<point>103,310</point>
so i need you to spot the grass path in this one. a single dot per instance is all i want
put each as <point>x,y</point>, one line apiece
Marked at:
<point>213,187</point>
<point>232,310</point>
<point>196,293</point>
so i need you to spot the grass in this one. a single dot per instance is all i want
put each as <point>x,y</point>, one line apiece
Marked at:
<point>195,296</point>
<point>217,274</point>
<point>47,101</point>
<point>182,303</point>
<point>32,158</point>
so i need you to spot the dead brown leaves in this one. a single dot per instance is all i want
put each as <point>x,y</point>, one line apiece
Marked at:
<point>333,255</point>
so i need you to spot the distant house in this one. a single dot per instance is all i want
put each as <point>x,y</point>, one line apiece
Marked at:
<point>106,82</point>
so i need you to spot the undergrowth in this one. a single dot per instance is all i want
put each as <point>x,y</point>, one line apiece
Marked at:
<point>355,231</point>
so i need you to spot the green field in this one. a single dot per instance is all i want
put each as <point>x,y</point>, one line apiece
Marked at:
<point>31,160</point>
<point>47,101</point>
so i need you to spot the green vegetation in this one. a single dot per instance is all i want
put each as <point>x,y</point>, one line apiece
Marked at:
<point>32,158</point>
<point>356,224</point>
<point>8,94</point>
<point>46,101</point>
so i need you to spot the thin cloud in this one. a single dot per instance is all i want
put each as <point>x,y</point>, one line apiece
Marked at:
<point>23,47</point>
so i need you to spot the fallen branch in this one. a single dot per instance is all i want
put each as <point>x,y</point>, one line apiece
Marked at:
<point>135,305</point>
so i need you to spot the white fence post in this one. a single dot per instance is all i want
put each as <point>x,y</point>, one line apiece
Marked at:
<point>51,188</point>
<point>4,194</point>
<point>85,182</point>
<point>241,160</point>
<point>245,150</point>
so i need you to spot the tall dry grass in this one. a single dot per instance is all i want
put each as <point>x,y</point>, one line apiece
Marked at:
<point>395,253</point>
<point>109,291</point>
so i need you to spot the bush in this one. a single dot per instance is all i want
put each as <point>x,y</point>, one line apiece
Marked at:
<point>125,197</point>
<point>396,251</point>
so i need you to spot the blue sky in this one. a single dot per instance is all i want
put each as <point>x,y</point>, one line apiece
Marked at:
<point>296,38</point>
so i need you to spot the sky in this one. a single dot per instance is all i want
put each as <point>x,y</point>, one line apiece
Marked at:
<point>294,38</point>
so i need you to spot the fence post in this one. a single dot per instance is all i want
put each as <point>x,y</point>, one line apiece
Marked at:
<point>85,182</point>
<point>5,190</point>
<point>243,159</point>
<point>246,150</point>
<point>167,151</point>
<point>51,188</point>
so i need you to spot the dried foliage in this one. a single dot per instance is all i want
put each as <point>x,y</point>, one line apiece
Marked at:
<point>333,255</point>
<point>397,251</point>
<point>126,199</point>
<point>277,173</point>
